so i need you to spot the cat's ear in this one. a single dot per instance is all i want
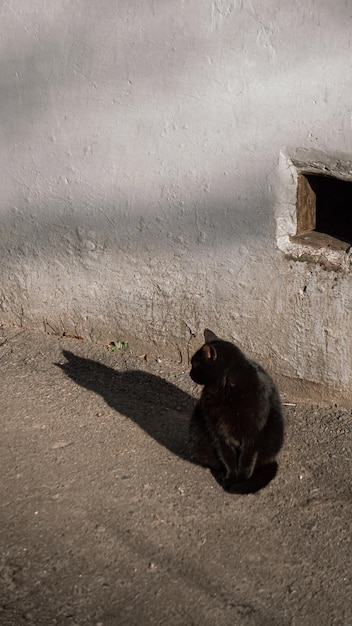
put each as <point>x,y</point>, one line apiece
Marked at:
<point>209,353</point>
<point>209,336</point>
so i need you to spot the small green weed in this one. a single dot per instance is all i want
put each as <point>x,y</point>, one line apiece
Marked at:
<point>114,346</point>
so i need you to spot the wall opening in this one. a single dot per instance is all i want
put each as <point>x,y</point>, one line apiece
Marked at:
<point>324,211</point>
<point>313,208</point>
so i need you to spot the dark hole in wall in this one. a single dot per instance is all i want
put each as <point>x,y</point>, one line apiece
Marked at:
<point>333,206</point>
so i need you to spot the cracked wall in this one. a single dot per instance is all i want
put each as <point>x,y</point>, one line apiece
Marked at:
<point>140,181</point>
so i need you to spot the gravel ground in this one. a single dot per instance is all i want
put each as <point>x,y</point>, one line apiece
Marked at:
<point>106,522</point>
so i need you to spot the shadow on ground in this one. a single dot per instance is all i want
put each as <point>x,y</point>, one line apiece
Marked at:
<point>157,406</point>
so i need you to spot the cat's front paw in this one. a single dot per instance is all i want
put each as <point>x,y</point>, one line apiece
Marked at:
<point>219,475</point>
<point>229,481</point>
<point>244,474</point>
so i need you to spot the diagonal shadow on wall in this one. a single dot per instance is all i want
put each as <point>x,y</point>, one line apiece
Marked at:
<point>157,406</point>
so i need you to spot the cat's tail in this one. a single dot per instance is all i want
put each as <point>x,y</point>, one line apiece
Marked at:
<point>260,478</point>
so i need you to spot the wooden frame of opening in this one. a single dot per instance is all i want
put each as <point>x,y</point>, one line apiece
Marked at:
<point>324,211</point>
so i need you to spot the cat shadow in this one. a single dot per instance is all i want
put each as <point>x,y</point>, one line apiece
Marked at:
<point>160,408</point>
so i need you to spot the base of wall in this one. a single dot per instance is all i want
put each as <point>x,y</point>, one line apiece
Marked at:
<point>291,389</point>
<point>296,390</point>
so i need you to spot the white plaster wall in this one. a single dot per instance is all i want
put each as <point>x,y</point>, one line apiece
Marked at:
<point>139,150</point>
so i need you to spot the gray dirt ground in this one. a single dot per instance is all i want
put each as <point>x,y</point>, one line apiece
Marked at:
<point>105,522</point>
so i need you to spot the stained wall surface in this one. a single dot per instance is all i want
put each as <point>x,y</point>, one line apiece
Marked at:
<point>141,181</point>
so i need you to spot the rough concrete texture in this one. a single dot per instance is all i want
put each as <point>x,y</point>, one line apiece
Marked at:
<point>105,521</point>
<point>139,150</point>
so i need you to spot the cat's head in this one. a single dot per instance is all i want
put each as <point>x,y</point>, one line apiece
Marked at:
<point>208,363</point>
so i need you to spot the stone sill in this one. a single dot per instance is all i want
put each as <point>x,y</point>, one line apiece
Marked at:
<point>320,240</point>
<point>318,248</point>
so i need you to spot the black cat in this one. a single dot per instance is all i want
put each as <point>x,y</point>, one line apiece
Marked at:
<point>237,426</point>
